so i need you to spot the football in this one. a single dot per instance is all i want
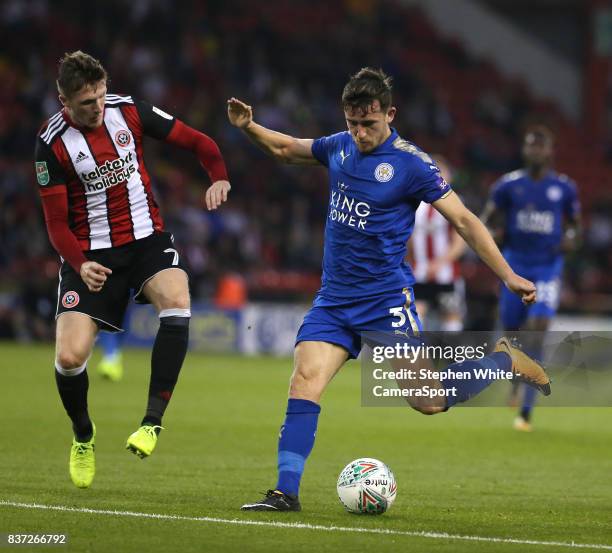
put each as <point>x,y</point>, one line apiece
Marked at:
<point>367,486</point>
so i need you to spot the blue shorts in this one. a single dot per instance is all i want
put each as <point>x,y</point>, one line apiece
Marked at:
<point>547,278</point>
<point>340,321</point>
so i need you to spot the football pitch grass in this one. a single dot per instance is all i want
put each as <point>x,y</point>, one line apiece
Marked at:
<point>465,478</point>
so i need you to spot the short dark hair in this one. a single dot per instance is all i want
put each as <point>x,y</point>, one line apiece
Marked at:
<point>540,131</point>
<point>76,70</point>
<point>365,86</point>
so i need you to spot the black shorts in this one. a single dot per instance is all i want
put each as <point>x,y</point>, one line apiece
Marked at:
<point>447,298</point>
<point>429,291</point>
<point>132,264</point>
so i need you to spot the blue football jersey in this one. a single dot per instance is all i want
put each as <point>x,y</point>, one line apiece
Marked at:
<point>373,198</point>
<point>534,212</point>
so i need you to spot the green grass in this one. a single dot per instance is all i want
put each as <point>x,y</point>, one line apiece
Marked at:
<point>463,472</point>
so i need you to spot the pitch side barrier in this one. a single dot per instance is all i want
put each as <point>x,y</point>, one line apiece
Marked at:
<point>258,328</point>
<point>401,370</point>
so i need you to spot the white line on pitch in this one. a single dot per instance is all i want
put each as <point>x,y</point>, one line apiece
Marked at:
<point>302,525</point>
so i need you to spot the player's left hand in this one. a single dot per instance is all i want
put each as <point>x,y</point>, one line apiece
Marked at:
<point>522,287</point>
<point>217,194</point>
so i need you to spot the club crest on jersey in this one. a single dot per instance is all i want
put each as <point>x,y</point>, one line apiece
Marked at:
<point>554,193</point>
<point>70,299</point>
<point>42,173</point>
<point>123,138</point>
<point>384,172</point>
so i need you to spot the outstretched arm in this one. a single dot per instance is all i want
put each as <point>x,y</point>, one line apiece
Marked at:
<point>285,148</point>
<point>210,158</point>
<point>480,240</point>
<point>147,119</point>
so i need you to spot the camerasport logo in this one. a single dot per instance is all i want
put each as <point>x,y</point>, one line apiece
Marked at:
<point>70,299</point>
<point>123,138</point>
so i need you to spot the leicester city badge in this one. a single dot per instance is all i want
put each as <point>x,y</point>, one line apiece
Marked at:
<point>42,173</point>
<point>383,172</point>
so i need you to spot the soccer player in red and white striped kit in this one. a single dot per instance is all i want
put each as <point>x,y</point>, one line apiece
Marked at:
<point>103,220</point>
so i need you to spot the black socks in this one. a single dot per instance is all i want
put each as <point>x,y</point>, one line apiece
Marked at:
<point>73,391</point>
<point>167,359</point>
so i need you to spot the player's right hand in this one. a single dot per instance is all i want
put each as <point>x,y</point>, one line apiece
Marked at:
<point>239,114</point>
<point>94,275</point>
<point>523,288</point>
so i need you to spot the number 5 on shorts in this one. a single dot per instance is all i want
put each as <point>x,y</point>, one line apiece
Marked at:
<point>399,313</point>
<point>404,314</point>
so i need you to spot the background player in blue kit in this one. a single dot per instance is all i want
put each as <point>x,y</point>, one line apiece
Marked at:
<point>377,180</point>
<point>110,366</point>
<point>536,215</point>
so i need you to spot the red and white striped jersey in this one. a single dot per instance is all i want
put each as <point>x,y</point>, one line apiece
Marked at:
<point>110,199</point>
<point>431,239</point>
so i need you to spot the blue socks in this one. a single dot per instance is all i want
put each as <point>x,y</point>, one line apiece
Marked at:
<point>467,388</point>
<point>529,399</point>
<point>295,443</point>
<point>110,342</point>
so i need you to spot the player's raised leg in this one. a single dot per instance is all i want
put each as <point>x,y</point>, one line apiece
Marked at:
<point>75,337</point>
<point>168,291</point>
<point>505,358</point>
<point>315,364</point>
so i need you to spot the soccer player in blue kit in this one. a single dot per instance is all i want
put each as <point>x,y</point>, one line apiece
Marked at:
<point>377,180</point>
<point>537,216</point>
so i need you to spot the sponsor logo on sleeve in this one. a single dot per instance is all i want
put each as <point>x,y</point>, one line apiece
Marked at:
<point>42,173</point>
<point>162,113</point>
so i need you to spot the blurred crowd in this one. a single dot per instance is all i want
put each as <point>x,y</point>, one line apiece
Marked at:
<point>289,59</point>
